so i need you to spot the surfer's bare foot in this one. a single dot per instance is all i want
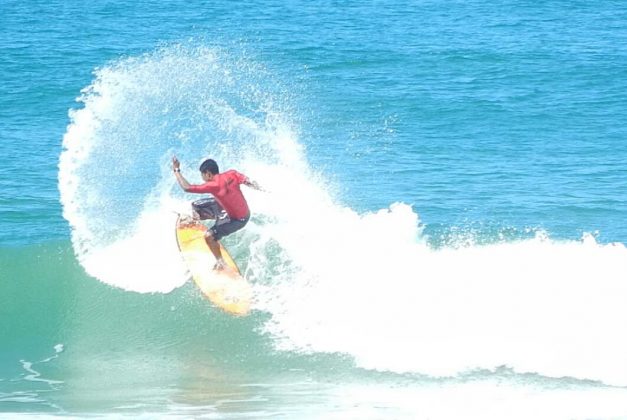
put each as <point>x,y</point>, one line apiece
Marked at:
<point>186,220</point>
<point>220,265</point>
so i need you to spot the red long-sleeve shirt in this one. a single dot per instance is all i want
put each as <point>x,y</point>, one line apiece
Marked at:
<point>225,187</point>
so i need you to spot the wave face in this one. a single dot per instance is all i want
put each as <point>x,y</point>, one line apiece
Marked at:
<point>331,279</point>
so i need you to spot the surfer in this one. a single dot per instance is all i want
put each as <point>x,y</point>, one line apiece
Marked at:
<point>225,187</point>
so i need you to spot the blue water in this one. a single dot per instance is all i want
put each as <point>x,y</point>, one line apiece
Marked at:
<point>483,144</point>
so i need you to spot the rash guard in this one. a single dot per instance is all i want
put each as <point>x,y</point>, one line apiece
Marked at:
<point>225,188</point>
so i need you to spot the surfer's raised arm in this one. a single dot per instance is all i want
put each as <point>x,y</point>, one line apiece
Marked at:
<point>176,167</point>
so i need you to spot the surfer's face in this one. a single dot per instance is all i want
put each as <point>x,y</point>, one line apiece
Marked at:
<point>206,176</point>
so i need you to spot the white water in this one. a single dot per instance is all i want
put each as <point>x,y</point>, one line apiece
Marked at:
<point>367,285</point>
<point>535,305</point>
<point>333,280</point>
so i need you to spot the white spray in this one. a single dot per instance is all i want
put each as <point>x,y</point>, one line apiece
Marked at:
<point>333,280</point>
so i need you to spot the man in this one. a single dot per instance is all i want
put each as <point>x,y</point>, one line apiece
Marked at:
<point>225,187</point>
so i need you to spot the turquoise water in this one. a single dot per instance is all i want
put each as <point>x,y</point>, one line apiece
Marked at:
<point>443,234</point>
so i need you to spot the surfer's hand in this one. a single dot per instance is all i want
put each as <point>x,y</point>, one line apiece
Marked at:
<point>175,163</point>
<point>253,184</point>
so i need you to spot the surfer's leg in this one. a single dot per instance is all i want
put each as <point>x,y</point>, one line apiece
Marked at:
<point>226,227</point>
<point>222,228</point>
<point>214,246</point>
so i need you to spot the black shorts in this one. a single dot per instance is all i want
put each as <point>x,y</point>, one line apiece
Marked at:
<point>225,226</point>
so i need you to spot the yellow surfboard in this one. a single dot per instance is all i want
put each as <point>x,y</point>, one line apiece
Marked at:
<point>225,288</point>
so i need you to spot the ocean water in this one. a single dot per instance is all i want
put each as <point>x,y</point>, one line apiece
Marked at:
<point>443,234</point>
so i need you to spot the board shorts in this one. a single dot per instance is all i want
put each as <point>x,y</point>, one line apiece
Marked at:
<point>209,208</point>
<point>225,226</point>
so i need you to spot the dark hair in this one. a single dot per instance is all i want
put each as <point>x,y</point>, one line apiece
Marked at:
<point>210,165</point>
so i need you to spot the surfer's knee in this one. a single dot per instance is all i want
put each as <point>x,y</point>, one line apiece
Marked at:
<point>209,236</point>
